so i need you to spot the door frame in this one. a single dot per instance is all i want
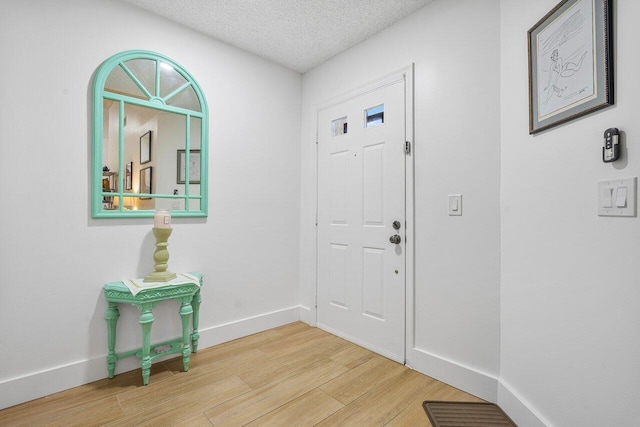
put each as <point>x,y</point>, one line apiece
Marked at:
<point>405,74</point>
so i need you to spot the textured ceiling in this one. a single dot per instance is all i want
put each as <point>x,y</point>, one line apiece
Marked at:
<point>298,34</point>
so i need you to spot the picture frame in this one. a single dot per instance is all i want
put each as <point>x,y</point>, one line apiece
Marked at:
<point>128,172</point>
<point>145,148</point>
<point>146,182</point>
<point>570,63</point>
<point>194,167</point>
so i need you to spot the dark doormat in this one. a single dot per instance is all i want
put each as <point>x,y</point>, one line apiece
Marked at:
<point>467,414</point>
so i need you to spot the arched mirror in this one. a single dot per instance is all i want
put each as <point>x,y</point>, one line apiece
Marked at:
<point>150,138</point>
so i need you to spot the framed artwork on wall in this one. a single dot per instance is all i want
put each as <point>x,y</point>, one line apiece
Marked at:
<point>194,166</point>
<point>146,179</point>
<point>570,63</point>
<point>145,148</point>
<point>127,176</point>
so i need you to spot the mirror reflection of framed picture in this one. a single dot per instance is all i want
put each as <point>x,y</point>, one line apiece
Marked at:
<point>127,176</point>
<point>146,176</point>
<point>194,166</point>
<point>145,148</point>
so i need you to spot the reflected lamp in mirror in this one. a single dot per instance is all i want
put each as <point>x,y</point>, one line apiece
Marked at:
<point>146,107</point>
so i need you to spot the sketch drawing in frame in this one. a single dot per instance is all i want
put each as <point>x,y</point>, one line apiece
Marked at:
<point>194,167</point>
<point>570,63</point>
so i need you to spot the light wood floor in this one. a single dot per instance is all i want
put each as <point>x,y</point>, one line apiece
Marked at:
<point>294,375</point>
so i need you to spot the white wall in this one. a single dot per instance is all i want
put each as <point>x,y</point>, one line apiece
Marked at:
<point>570,290</point>
<point>512,299</point>
<point>54,258</point>
<point>455,48</point>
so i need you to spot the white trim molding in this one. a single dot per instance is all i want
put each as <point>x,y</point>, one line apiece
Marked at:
<point>518,409</point>
<point>43,383</point>
<point>470,380</point>
<point>480,384</point>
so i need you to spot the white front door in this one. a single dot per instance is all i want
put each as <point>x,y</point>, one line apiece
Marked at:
<point>361,194</point>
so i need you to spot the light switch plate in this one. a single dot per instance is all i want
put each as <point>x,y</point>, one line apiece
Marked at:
<point>617,197</point>
<point>455,204</point>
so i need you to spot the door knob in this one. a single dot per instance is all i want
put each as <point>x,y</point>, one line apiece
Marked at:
<point>396,225</point>
<point>395,239</point>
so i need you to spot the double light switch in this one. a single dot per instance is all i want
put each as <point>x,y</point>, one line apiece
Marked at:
<point>617,197</point>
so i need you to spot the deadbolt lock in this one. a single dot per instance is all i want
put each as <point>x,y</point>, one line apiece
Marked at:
<point>396,225</point>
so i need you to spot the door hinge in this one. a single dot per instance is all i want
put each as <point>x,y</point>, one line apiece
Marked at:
<point>407,147</point>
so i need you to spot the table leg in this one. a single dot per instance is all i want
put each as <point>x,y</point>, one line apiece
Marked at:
<point>146,320</point>
<point>185,312</point>
<point>195,336</point>
<point>111,316</point>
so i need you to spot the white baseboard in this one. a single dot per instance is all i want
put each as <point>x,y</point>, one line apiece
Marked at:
<point>382,352</point>
<point>43,383</point>
<point>308,315</point>
<point>479,384</point>
<point>517,408</point>
<point>252,325</point>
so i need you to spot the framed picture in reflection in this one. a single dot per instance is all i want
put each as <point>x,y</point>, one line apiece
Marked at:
<point>194,166</point>
<point>145,148</point>
<point>146,177</point>
<point>128,170</point>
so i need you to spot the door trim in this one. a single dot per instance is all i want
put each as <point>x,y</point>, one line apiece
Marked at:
<point>405,74</point>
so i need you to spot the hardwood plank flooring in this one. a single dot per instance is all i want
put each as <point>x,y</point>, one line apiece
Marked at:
<point>294,375</point>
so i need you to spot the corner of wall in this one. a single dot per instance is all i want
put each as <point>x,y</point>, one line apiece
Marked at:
<point>472,381</point>
<point>517,407</point>
<point>480,384</point>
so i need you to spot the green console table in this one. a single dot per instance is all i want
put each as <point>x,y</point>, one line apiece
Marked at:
<point>187,294</point>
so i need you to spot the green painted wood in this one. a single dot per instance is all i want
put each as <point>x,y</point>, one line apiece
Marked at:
<point>185,313</point>
<point>195,336</point>
<point>177,91</point>
<point>111,316</point>
<point>145,103</point>
<point>156,102</point>
<point>188,295</point>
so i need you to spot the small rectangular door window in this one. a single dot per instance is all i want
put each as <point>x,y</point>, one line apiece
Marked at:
<point>374,116</point>
<point>339,126</point>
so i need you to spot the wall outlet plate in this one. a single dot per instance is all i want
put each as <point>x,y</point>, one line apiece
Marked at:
<point>617,197</point>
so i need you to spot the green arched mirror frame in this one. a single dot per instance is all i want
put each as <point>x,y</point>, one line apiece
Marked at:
<point>150,138</point>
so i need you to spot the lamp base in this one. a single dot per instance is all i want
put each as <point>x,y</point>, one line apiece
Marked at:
<point>160,276</point>
<point>160,257</point>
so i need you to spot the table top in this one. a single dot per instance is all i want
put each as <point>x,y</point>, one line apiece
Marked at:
<point>118,291</point>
